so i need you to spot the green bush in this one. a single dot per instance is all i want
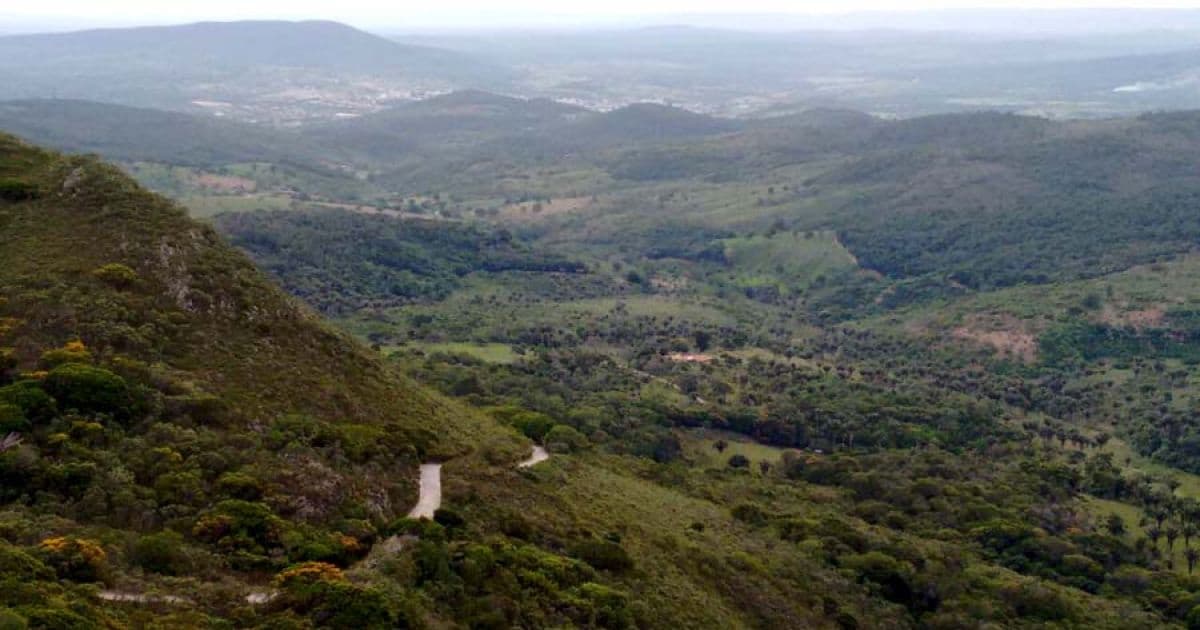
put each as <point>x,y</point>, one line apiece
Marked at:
<point>14,190</point>
<point>15,563</point>
<point>565,439</point>
<point>161,553</point>
<point>89,389</point>
<point>12,419</point>
<point>603,555</point>
<point>36,405</point>
<point>239,485</point>
<point>116,275</point>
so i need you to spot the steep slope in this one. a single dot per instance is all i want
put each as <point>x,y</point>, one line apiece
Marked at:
<point>164,408</point>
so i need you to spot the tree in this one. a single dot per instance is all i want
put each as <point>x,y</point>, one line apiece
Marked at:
<point>1115,525</point>
<point>1154,534</point>
<point>1192,556</point>
<point>739,461</point>
<point>720,446</point>
<point>764,467</point>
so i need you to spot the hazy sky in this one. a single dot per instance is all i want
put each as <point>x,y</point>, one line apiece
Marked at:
<point>398,13</point>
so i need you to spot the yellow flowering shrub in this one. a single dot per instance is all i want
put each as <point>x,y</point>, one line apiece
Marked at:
<point>308,573</point>
<point>71,352</point>
<point>78,559</point>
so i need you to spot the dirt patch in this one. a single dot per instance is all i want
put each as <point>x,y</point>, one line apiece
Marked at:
<point>688,357</point>
<point>224,183</point>
<point>534,210</point>
<point>1006,335</point>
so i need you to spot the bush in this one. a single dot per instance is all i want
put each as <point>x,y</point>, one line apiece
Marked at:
<point>89,389</point>
<point>161,553</point>
<point>449,519</point>
<point>603,555</point>
<point>564,439</point>
<point>739,461</point>
<point>116,275</point>
<point>750,514</point>
<point>13,190</point>
<point>15,563</point>
<point>12,419</point>
<point>72,352</point>
<point>239,485</point>
<point>76,559</point>
<point>35,404</point>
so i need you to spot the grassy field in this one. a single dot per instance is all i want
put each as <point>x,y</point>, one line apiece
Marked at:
<point>698,447</point>
<point>489,352</point>
<point>205,206</point>
<point>788,260</point>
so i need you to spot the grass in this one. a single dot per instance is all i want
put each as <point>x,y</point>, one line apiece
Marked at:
<point>698,447</point>
<point>205,206</point>
<point>489,352</point>
<point>786,259</point>
<point>1132,515</point>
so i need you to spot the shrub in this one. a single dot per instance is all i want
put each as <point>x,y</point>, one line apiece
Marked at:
<point>72,352</point>
<point>239,485</point>
<point>449,519</point>
<point>75,559</point>
<point>250,528</point>
<point>89,389</point>
<point>603,555</point>
<point>116,275</point>
<point>750,514</point>
<point>565,439</point>
<point>35,404</point>
<point>739,461</point>
<point>15,563</point>
<point>161,553</point>
<point>12,419</point>
<point>15,190</point>
<point>308,573</point>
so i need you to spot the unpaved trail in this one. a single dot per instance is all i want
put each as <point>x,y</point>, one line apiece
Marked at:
<point>430,498</point>
<point>540,454</point>
<point>138,598</point>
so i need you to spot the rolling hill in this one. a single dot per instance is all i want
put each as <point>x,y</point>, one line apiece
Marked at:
<point>242,64</point>
<point>133,134</point>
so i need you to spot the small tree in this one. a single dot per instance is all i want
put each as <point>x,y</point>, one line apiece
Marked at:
<point>1191,555</point>
<point>739,461</point>
<point>1115,525</point>
<point>720,446</point>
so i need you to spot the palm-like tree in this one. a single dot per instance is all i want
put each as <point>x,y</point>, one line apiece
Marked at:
<point>1189,531</point>
<point>1154,534</point>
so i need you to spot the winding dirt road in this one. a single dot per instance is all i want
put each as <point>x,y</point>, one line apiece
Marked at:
<point>430,498</point>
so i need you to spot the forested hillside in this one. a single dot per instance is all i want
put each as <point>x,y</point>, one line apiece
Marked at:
<point>823,370</point>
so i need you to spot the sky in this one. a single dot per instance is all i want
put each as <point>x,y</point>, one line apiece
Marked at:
<point>481,13</point>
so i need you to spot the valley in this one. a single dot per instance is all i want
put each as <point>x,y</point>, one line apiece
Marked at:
<point>418,336</point>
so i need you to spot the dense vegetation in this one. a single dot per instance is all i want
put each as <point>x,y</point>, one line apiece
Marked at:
<point>816,371</point>
<point>342,261</point>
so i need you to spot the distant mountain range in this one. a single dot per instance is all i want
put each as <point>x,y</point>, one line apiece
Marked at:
<point>174,66</point>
